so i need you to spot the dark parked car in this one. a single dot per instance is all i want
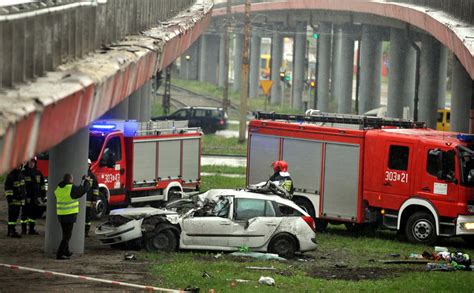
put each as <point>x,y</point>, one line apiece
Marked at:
<point>210,119</point>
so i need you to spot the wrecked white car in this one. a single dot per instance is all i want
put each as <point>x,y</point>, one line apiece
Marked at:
<point>221,219</point>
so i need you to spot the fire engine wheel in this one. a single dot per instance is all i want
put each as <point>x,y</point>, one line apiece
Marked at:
<point>165,240</point>
<point>420,228</point>
<point>469,239</point>
<point>101,207</point>
<point>284,245</point>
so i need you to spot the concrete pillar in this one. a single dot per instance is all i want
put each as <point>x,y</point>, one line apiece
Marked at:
<point>70,156</point>
<point>324,66</point>
<point>343,68</point>
<point>134,103</point>
<point>299,65</point>
<point>145,95</point>
<point>429,80</point>
<point>222,62</point>
<point>238,50</point>
<point>190,65</point>
<point>209,53</point>
<point>370,69</point>
<point>120,111</point>
<point>401,74</point>
<point>443,74</point>
<point>461,98</point>
<point>255,44</point>
<point>277,57</point>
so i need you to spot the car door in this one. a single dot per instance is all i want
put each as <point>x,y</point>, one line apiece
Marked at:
<point>208,230</point>
<point>434,186</point>
<point>255,221</point>
<point>397,176</point>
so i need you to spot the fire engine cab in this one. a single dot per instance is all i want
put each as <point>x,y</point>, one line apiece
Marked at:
<point>141,163</point>
<point>369,172</point>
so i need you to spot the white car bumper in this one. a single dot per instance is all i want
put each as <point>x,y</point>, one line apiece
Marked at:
<point>108,234</point>
<point>465,225</point>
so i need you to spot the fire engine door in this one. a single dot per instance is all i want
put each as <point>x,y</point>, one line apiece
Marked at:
<point>428,184</point>
<point>397,169</point>
<point>111,169</point>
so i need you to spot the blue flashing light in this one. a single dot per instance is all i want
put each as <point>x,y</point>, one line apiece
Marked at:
<point>103,126</point>
<point>465,137</point>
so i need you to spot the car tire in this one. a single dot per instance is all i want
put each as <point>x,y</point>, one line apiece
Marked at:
<point>101,208</point>
<point>165,241</point>
<point>420,228</point>
<point>284,245</point>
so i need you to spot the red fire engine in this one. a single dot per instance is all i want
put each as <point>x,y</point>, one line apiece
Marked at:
<point>142,163</point>
<point>368,172</point>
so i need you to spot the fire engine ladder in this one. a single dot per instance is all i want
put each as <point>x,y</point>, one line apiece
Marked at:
<point>361,120</point>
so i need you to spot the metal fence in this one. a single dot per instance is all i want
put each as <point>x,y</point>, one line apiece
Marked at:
<point>38,37</point>
<point>463,9</point>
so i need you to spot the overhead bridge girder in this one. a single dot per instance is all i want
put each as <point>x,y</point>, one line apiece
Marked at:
<point>35,117</point>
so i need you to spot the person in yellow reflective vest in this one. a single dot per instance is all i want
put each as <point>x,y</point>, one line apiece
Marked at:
<point>67,207</point>
<point>15,194</point>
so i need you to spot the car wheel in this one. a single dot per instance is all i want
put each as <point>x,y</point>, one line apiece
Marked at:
<point>420,228</point>
<point>101,207</point>
<point>284,245</point>
<point>165,240</point>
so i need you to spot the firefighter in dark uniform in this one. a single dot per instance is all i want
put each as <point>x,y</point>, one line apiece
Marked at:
<point>67,207</point>
<point>15,194</point>
<point>281,177</point>
<point>92,196</point>
<point>35,189</point>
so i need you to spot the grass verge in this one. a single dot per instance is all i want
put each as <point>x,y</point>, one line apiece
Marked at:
<point>219,145</point>
<point>222,169</point>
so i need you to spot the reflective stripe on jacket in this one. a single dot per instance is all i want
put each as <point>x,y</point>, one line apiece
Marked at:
<point>65,204</point>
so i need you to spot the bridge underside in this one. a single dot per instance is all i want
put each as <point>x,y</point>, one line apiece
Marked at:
<point>37,116</point>
<point>454,33</point>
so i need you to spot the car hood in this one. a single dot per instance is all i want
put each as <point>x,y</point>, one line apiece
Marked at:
<point>138,213</point>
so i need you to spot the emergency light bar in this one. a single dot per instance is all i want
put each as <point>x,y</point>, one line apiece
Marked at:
<point>465,137</point>
<point>129,127</point>
<point>103,126</point>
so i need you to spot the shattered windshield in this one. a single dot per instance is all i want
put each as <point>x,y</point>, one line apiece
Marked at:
<point>95,146</point>
<point>466,155</point>
<point>221,209</point>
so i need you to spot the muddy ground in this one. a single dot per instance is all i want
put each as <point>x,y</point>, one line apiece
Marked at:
<point>103,262</point>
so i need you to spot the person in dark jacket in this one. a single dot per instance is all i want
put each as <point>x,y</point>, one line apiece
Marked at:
<point>67,207</point>
<point>35,189</point>
<point>15,194</point>
<point>92,196</point>
<point>281,177</point>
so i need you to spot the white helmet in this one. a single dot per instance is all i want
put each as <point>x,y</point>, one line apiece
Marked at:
<point>89,161</point>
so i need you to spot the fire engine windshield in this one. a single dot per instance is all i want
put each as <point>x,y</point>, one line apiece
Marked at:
<point>95,145</point>
<point>466,155</point>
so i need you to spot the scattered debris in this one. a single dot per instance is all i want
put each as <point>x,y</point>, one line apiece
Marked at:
<point>267,281</point>
<point>192,289</point>
<point>238,280</point>
<point>405,261</point>
<point>219,255</point>
<point>441,249</point>
<point>258,255</point>
<point>243,248</point>
<point>206,275</point>
<point>340,265</point>
<point>261,268</point>
<point>129,256</point>
<point>395,254</point>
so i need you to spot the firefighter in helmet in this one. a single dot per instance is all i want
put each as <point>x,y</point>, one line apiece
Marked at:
<point>35,189</point>
<point>281,177</point>
<point>92,196</point>
<point>15,194</point>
